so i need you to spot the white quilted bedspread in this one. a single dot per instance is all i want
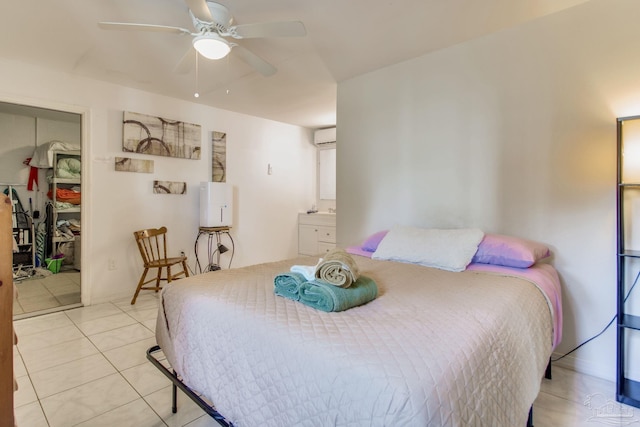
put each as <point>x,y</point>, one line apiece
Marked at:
<point>435,348</point>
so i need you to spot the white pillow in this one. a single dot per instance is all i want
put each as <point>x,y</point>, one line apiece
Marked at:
<point>450,250</point>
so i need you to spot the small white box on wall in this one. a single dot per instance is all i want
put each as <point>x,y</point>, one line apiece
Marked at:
<point>216,204</point>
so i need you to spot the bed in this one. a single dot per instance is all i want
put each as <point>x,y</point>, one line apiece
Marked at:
<point>435,348</point>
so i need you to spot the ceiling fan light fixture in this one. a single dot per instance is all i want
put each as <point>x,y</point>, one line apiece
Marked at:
<point>211,46</point>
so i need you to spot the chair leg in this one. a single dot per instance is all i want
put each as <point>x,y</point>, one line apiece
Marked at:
<point>184,267</point>
<point>140,283</point>
<point>168,274</point>
<point>158,278</point>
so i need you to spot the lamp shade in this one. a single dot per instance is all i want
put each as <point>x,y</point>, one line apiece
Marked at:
<point>211,46</point>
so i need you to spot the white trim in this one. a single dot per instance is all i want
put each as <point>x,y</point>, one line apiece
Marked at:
<point>584,367</point>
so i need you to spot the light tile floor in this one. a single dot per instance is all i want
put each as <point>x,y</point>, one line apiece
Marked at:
<point>87,367</point>
<point>47,293</point>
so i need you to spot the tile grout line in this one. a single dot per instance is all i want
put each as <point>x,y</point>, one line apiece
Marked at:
<point>50,293</point>
<point>136,390</point>
<point>84,335</point>
<point>120,372</point>
<point>46,419</point>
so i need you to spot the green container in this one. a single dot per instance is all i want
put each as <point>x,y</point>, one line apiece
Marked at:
<point>54,264</point>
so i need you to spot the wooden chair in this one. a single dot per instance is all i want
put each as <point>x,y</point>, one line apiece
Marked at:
<point>152,244</point>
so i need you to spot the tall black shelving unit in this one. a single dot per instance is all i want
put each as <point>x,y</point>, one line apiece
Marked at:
<point>628,260</point>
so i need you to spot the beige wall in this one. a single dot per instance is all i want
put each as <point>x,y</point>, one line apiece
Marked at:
<point>513,133</point>
<point>117,203</point>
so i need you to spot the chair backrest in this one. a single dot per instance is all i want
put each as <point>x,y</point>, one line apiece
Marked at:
<point>152,244</point>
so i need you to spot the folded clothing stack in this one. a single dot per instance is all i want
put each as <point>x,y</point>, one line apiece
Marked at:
<point>334,284</point>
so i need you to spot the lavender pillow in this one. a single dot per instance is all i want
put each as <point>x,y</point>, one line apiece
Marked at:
<point>509,251</point>
<point>357,250</point>
<point>372,242</point>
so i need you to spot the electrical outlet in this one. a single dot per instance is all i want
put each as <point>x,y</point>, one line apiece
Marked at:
<point>111,264</point>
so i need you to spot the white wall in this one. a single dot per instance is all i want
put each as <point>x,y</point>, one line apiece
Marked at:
<point>513,133</point>
<point>117,203</point>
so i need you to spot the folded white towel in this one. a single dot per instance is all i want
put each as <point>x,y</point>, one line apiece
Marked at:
<point>308,271</point>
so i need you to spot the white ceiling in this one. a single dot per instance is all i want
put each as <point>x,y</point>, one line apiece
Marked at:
<point>345,38</point>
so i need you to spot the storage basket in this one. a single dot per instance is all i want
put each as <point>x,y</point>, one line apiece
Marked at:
<point>54,264</point>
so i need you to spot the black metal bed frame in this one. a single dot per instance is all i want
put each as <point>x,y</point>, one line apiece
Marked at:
<point>213,413</point>
<point>177,383</point>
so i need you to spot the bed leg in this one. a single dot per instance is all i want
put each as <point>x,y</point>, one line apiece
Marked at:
<point>174,397</point>
<point>530,419</point>
<point>547,373</point>
<point>177,383</point>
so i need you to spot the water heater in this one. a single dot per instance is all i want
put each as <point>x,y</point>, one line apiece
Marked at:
<point>216,204</point>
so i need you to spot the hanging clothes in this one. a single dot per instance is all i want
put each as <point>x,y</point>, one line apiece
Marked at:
<point>33,175</point>
<point>41,244</point>
<point>49,229</point>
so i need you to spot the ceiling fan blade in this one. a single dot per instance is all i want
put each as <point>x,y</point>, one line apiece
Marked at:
<point>186,62</point>
<point>269,29</point>
<point>199,9</point>
<point>142,27</point>
<point>259,64</point>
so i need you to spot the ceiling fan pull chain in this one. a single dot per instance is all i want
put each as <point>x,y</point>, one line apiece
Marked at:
<point>197,94</point>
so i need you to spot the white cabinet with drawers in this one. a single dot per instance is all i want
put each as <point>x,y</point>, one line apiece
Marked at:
<point>316,233</point>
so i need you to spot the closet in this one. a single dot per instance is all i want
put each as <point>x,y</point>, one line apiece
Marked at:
<point>33,141</point>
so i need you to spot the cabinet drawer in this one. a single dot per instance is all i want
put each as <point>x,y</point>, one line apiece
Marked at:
<point>327,234</point>
<point>324,247</point>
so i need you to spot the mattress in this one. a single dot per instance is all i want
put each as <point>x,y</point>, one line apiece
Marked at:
<point>435,348</point>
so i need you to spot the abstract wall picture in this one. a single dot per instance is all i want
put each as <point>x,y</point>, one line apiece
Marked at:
<point>219,157</point>
<point>169,187</point>
<point>160,137</point>
<point>127,164</point>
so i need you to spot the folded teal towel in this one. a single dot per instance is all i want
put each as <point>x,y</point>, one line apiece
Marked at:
<point>323,296</point>
<point>288,285</point>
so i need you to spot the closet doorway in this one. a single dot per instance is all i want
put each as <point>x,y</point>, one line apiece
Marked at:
<point>40,170</point>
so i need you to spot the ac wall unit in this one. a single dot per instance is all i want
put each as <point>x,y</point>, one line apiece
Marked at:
<point>324,136</point>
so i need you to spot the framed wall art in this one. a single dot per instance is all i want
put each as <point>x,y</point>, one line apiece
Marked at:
<point>169,187</point>
<point>219,157</point>
<point>160,137</point>
<point>127,164</point>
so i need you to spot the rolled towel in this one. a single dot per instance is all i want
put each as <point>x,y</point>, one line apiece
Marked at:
<point>288,285</point>
<point>308,271</point>
<point>337,268</point>
<point>323,296</point>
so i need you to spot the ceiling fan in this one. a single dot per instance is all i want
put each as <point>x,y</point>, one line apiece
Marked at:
<point>213,25</point>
